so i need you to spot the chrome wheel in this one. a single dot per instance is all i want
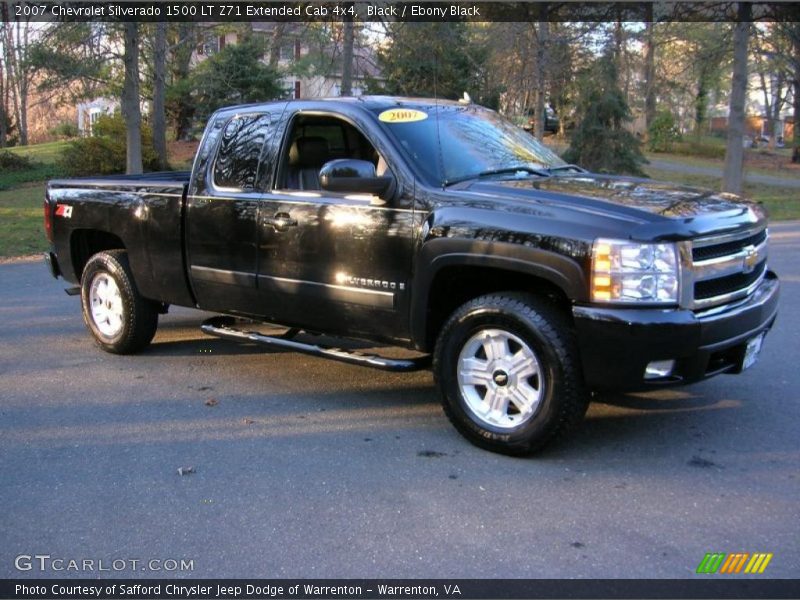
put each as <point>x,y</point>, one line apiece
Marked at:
<point>105,305</point>
<point>500,378</point>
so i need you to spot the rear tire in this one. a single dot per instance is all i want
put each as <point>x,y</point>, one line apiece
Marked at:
<point>508,372</point>
<point>120,320</point>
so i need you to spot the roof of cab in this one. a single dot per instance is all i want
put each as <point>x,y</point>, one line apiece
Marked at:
<point>367,102</point>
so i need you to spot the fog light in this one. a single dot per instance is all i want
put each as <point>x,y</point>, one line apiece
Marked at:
<point>658,369</point>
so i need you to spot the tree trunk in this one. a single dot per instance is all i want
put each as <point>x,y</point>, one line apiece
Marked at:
<point>19,49</point>
<point>649,70</point>
<point>180,64</point>
<point>159,94</point>
<point>276,43</point>
<point>732,178</point>
<point>618,43</point>
<point>796,117</point>
<point>3,99</point>
<point>347,58</point>
<point>701,103</point>
<point>11,64</point>
<point>131,111</point>
<point>794,35</point>
<point>540,86</point>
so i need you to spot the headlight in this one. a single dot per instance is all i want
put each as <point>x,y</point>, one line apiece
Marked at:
<point>624,271</point>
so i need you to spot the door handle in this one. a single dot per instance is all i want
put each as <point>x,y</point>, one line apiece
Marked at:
<point>281,221</point>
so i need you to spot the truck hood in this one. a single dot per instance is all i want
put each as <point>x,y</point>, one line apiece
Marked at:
<point>636,199</point>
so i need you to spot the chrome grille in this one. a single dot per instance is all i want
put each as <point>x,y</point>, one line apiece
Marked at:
<point>700,253</point>
<point>725,268</point>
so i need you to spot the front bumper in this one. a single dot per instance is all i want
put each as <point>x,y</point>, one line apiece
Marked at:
<point>616,344</point>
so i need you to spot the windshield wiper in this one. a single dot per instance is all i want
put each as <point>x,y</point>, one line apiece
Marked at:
<point>503,171</point>
<point>567,168</point>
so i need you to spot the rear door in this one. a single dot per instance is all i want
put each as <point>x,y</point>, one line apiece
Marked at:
<point>222,213</point>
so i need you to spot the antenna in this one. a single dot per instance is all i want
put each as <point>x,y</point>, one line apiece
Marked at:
<point>439,154</point>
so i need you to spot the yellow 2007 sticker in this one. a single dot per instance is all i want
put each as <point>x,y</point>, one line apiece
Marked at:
<point>402,115</point>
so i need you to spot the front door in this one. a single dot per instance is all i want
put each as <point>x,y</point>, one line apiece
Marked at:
<point>339,263</point>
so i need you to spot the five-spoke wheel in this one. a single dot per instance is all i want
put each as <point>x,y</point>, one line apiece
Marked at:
<point>500,378</point>
<point>506,366</point>
<point>119,318</point>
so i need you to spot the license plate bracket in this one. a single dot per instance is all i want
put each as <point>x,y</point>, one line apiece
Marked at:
<point>752,351</point>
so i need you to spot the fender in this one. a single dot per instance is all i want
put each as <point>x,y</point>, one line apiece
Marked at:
<point>564,272</point>
<point>122,218</point>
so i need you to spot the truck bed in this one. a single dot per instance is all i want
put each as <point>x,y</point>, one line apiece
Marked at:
<point>161,179</point>
<point>141,213</point>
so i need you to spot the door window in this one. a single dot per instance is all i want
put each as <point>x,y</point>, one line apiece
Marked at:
<point>239,156</point>
<point>316,140</point>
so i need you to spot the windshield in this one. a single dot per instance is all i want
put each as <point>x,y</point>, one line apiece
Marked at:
<point>475,141</point>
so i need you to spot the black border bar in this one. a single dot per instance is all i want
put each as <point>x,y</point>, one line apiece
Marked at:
<point>394,589</point>
<point>221,11</point>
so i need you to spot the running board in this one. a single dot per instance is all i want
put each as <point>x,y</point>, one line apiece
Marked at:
<point>222,327</point>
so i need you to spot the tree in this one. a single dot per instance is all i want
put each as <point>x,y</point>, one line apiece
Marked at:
<point>347,57</point>
<point>131,109</point>
<point>732,176</point>
<point>600,141</point>
<point>542,63</point>
<point>15,38</point>
<point>180,106</point>
<point>432,59</point>
<point>662,132</point>
<point>235,75</point>
<point>87,54</point>
<point>792,31</point>
<point>159,118</point>
<point>772,51</point>
<point>649,70</point>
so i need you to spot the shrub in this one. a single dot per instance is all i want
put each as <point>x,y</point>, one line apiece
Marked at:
<point>105,152</point>
<point>663,133</point>
<point>699,149</point>
<point>65,130</point>
<point>10,161</point>
<point>16,169</point>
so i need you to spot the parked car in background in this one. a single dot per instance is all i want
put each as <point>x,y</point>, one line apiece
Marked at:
<point>551,121</point>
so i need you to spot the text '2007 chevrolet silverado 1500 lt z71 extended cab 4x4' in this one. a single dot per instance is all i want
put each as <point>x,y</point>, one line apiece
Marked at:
<point>435,226</point>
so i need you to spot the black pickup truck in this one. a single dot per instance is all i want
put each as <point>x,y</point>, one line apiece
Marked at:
<point>435,226</point>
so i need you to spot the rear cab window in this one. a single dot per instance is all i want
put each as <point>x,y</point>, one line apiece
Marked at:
<point>239,165</point>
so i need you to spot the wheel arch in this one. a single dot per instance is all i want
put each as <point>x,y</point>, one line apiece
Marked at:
<point>446,280</point>
<point>85,243</point>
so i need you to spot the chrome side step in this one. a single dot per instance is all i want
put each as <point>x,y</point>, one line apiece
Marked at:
<point>222,327</point>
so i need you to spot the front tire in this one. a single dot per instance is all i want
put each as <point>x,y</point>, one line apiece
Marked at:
<point>508,372</point>
<point>120,320</point>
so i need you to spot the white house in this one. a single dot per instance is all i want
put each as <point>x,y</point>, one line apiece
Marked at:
<point>89,112</point>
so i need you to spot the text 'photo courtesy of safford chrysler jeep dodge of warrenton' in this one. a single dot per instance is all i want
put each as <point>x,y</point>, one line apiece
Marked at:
<point>439,227</point>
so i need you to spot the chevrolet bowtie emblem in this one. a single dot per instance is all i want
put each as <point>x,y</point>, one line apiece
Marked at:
<point>750,259</point>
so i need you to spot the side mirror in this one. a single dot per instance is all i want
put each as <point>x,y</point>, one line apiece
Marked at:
<point>353,176</point>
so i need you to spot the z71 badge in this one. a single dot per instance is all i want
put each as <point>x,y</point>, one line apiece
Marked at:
<point>64,210</point>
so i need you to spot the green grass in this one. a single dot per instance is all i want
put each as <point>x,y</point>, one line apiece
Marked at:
<point>21,221</point>
<point>47,154</point>
<point>44,159</point>
<point>783,203</point>
<point>21,198</point>
<point>697,161</point>
<point>39,172</point>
